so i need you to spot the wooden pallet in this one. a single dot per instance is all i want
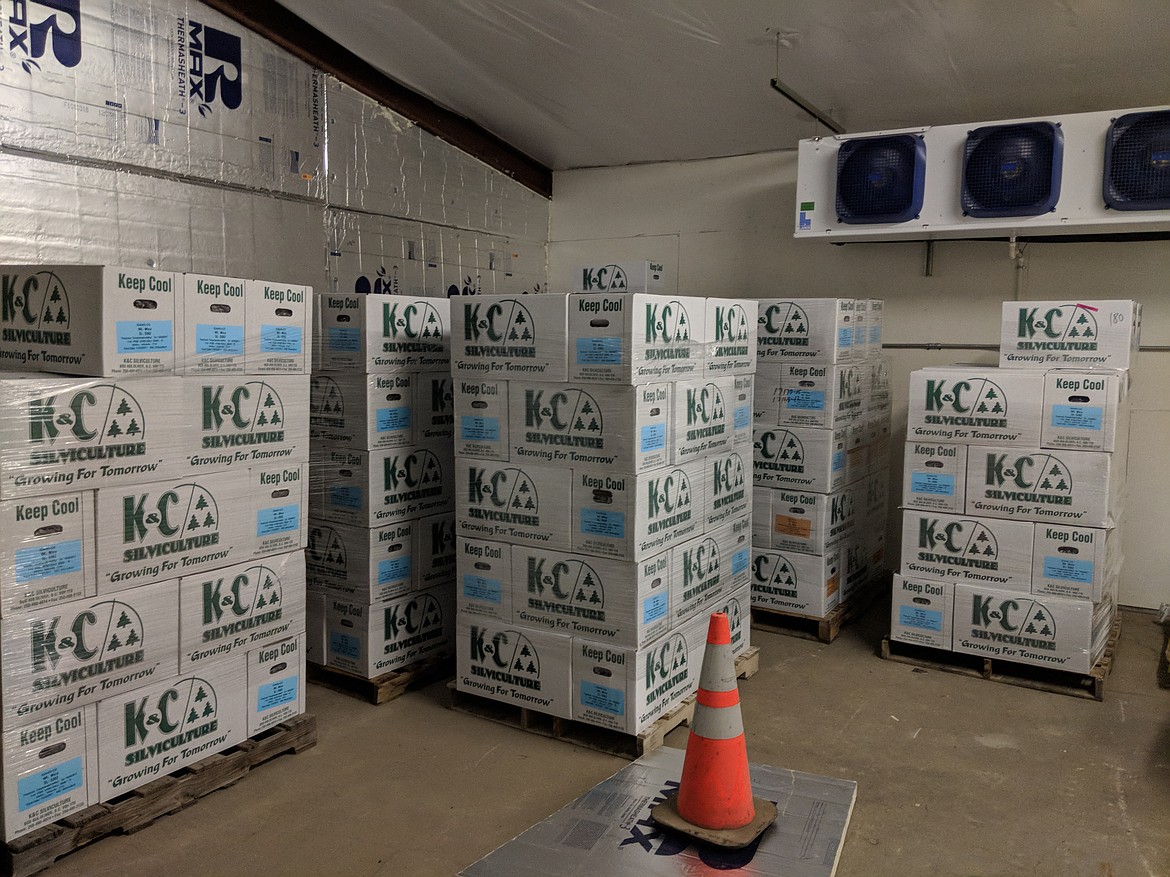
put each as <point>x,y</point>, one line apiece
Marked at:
<point>1090,686</point>
<point>388,687</point>
<point>629,746</point>
<point>137,809</point>
<point>810,627</point>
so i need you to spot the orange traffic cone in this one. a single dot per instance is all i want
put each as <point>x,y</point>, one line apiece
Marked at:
<point>714,800</point>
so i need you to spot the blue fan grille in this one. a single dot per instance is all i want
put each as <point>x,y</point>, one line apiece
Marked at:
<point>1137,162</point>
<point>1012,170</point>
<point>881,179</point>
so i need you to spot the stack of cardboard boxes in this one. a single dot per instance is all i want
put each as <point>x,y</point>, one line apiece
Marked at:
<point>602,493</point>
<point>381,554</point>
<point>820,454</point>
<point>152,593</point>
<point>1013,490</point>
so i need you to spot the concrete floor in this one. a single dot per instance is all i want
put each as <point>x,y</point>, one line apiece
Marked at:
<point>956,776</point>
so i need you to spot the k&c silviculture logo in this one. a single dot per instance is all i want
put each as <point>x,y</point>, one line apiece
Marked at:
<point>965,543</point>
<point>414,476</point>
<point>667,667</point>
<point>325,553</point>
<point>668,330</point>
<point>778,450</point>
<point>246,414</point>
<point>104,636</point>
<point>155,724</point>
<point>841,508</point>
<point>506,656</point>
<point>1065,327</point>
<point>1040,478</point>
<point>607,278</point>
<point>975,401</point>
<point>104,419</point>
<point>34,309</point>
<point>565,587</point>
<point>668,500</point>
<point>412,326</point>
<point>700,563</point>
<point>774,575</point>
<point>563,417</point>
<point>500,329</point>
<point>442,540</point>
<point>731,330</point>
<point>442,398</point>
<point>506,495</point>
<point>326,403</point>
<point>209,67</point>
<point>784,324</point>
<point>42,30</point>
<point>172,520</point>
<point>728,480</point>
<point>411,623</point>
<point>735,613</point>
<point>239,602</point>
<point>706,412</point>
<point>1016,621</point>
<point>384,282</point>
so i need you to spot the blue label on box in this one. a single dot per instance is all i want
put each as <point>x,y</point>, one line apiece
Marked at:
<point>743,417</point>
<point>281,339</point>
<point>838,461</point>
<point>845,337</point>
<point>345,645</point>
<point>653,437</point>
<point>145,336</point>
<point>43,561</point>
<point>223,340</point>
<point>483,589</point>
<point>600,522</point>
<point>344,339</point>
<point>599,351</point>
<point>52,782</point>
<point>932,483</point>
<point>740,561</point>
<point>345,497</point>
<point>924,619</point>
<point>1077,417</point>
<point>393,569</point>
<point>277,693</point>
<point>392,419</point>
<point>875,335</point>
<point>1069,570</point>
<point>278,519</point>
<point>654,607</point>
<point>601,697</point>
<point>479,429</point>
<point>805,400</point>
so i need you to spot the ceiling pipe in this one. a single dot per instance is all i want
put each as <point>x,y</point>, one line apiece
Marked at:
<point>809,108</point>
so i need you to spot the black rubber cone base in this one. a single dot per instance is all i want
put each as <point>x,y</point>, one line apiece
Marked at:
<point>666,814</point>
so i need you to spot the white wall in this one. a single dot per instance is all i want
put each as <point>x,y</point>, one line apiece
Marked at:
<point>724,227</point>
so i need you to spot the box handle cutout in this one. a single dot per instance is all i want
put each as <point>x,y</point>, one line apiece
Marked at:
<point>933,464</point>
<point>654,412</point>
<point>52,750</point>
<point>343,318</point>
<point>218,308</point>
<point>479,403</point>
<point>345,473</point>
<point>602,671</point>
<point>284,312</point>
<point>1079,399</point>
<point>742,397</point>
<point>48,530</point>
<point>479,564</point>
<point>599,322</point>
<point>605,497</point>
<point>393,397</point>
<point>280,494</point>
<point>1068,549</point>
<point>145,304</point>
<point>397,546</point>
<point>796,510</point>
<point>657,583</point>
<point>283,665</point>
<point>923,600</point>
<point>808,383</point>
<point>345,622</point>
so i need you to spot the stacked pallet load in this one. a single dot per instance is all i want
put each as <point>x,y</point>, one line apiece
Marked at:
<point>602,503</point>
<point>153,455</point>
<point>381,554</point>
<point>1013,487</point>
<point>820,458</point>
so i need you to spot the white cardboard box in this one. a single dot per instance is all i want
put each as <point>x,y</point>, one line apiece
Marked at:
<point>702,416</point>
<point>276,683</point>
<point>877,309</point>
<point>370,640</point>
<point>88,319</point>
<point>369,412</point>
<point>802,458</point>
<point>634,339</point>
<point>518,503</point>
<point>934,477</point>
<point>154,731</point>
<point>434,409</point>
<point>974,405</point>
<point>280,511</point>
<point>810,523</point>
<point>1055,334</point>
<point>808,394</point>
<point>742,403</point>
<point>800,584</point>
<point>1074,562</point>
<point>502,337</point>
<point>861,349</point>
<point>384,333</point>
<point>316,638</point>
<point>737,606</point>
<point>1085,410</point>
<point>434,547</point>
<point>360,563</point>
<point>953,548</point>
<point>279,331</point>
<point>616,602</point>
<point>709,568</point>
<point>804,329</point>
<point>877,383</point>
<point>48,544</point>
<point>922,611</point>
<point>515,664</point>
<point>731,337</point>
<point>214,323</point>
<point>482,419</point>
<point>619,277</point>
<point>483,582</point>
<point>726,488</point>
<point>374,488</point>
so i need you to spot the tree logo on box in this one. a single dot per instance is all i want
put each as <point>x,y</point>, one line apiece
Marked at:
<point>100,638</point>
<point>414,476</point>
<point>706,412</point>
<point>784,324</point>
<point>325,553</point>
<point>102,414</point>
<point>35,27</point>
<point>1041,478</point>
<point>607,278</point>
<point>700,562</point>
<point>735,612</point>
<point>442,397</point>
<point>774,575</point>
<point>503,495</point>
<point>1013,620</point>
<point>570,412</point>
<point>210,66</point>
<point>572,583</point>
<point>779,450</point>
<point>841,507</point>
<point>727,480</point>
<point>253,414</point>
<point>1064,327</point>
<point>732,328</point>
<point>957,543</point>
<point>666,324</point>
<point>326,403</point>
<point>668,500</point>
<point>412,321</point>
<point>36,308</point>
<point>503,328</point>
<point>412,622</point>
<point>247,599</point>
<point>173,520</point>
<point>982,399</point>
<point>442,540</point>
<point>506,656</point>
<point>181,714</point>
<point>667,668</point>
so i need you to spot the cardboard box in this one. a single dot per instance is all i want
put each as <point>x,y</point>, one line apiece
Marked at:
<point>1074,562</point>
<point>804,394</point>
<point>856,572</point>
<point>798,584</point>
<point>316,639</point>
<point>731,337</point>
<point>632,517</point>
<point>518,503</point>
<point>620,277</point>
<point>50,770</point>
<point>501,337</point>
<point>974,405</point>
<point>371,639</point>
<point>609,601</point>
<point>636,339</point>
<point>702,417</point>
<point>280,513</point>
<point>1055,334</point>
<point>483,584</point>
<point>434,408</point>
<point>809,523</point>
<point>742,408</point>
<point>953,548</point>
<point>514,664</point>
<point>861,349</point>
<point>877,383</point>
<point>58,658</point>
<point>239,608</point>
<point>214,323</point>
<point>878,431</point>
<point>877,309</point>
<point>737,606</point>
<point>707,569</point>
<point>88,320</point>
<point>374,488</point>
<point>934,477</point>
<point>726,488</point>
<point>922,612</point>
<point>384,333</point>
<point>434,548</point>
<point>157,730</point>
<point>1083,488</point>
<point>1041,631</point>
<point>483,419</point>
<point>48,548</point>
<point>279,331</point>
<point>1085,410</point>
<point>804,329</point>
<point>803,458</point>
<point>369,412</point>
<point>276,683</point>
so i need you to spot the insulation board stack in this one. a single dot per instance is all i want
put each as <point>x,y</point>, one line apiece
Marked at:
<point>152,492</point>
<point>1013,490</point>
<point>820,453</point>
<point>381,553</point>
<point>602,509</point>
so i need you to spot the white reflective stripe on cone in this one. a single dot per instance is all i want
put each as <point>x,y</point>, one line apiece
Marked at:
<point>717,723</point>
<point>718,668</point>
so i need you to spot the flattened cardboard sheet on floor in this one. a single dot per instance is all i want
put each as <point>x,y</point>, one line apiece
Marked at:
<point>608,830</point>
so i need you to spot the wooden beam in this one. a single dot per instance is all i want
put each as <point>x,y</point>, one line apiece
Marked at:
<point>296,36</point>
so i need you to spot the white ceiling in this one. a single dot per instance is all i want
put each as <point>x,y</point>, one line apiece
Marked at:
<point>581,83</point>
